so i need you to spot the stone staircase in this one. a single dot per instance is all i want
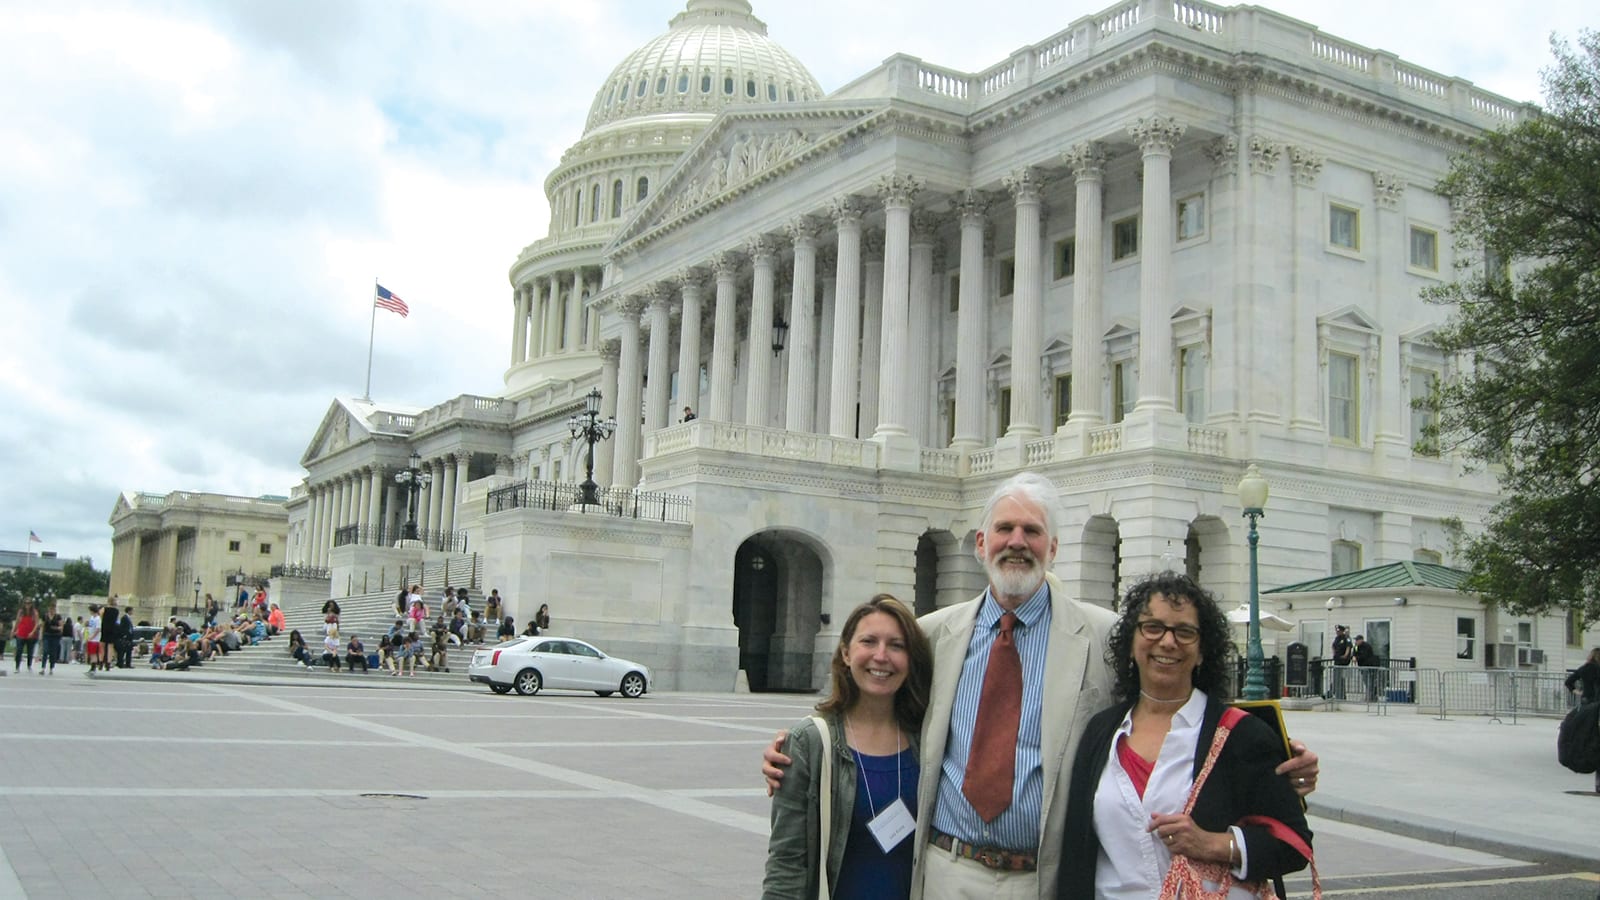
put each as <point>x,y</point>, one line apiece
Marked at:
<point>367,615</point>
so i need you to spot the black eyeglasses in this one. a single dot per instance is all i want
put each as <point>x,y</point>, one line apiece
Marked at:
<point>1154,630</point>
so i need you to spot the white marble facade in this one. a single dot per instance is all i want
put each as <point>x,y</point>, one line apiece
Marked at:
<point>1168,240</point>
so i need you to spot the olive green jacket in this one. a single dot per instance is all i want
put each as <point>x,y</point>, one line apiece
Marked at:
<point>796,841</point>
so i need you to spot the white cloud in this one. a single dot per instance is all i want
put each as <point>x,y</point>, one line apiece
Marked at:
<point>196,196</point>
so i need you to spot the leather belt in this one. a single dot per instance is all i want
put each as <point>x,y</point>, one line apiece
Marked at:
<point>990,857</point>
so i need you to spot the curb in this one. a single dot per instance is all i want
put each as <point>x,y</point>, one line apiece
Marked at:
<point>1453,834</point>
<point>321,680</point>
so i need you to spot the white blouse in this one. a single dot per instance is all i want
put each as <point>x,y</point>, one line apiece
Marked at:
<point>1133,861</point>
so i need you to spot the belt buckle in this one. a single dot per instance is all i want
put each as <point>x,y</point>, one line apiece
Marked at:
<point>989,858</point>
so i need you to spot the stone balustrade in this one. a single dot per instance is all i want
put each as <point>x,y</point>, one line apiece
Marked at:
<point>774,443</point>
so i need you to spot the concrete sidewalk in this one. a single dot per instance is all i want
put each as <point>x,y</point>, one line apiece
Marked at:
<point>1464,781</point>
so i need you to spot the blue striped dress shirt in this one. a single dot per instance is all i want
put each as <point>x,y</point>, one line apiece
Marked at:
<point>1018,827</point>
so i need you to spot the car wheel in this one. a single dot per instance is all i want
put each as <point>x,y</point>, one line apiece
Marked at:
<point>605,693</point>
<point>527,682</point>
<point>633,685</point>
<point>500,688</point>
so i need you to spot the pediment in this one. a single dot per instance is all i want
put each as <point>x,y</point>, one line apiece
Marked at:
<point>1350,317</point>
<point>740,150</point>
<point>338,430</point>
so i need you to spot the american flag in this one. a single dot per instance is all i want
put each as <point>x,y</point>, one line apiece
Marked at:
<point>391,302</point>
<point>33,537</point>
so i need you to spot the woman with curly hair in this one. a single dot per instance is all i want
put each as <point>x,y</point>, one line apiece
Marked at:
<point>881,674</point>
<point>1130,808</point>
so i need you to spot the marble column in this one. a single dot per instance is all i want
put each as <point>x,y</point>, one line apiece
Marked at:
<point>605,451</point>
<point>394,517</point>
<point>375,501</point>
<point>825,326</point>
<point>1393,256</point>
<point>920,345</point>
<point>519,325</point>
<point>463,472</point>
<point>313,554</point>
<point>625,466</point>
<point>591,335</point>
<point>897,192</point>
<point>759,383</point>
<point>657,374</point>
<point>689,286</point>
<point>972,324</point>
<point>1305,411</point>
<point>361,488</point>
<point>871,332</point>
<point>436,501</point>
<point>800,405</point>
<point>1087,161</point>
<point>1156,136</point>
<point>572,326</point>
<point>724,336</point>
<point>552,317</point>
<point>424,499</point>
<point>536,295</point>
<point>846,212</point>
<point>1027,306</point>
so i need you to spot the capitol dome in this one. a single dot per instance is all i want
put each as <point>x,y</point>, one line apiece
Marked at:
<point>715,54</point>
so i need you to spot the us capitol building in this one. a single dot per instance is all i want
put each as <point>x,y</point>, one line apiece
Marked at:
<point>1162,243</point>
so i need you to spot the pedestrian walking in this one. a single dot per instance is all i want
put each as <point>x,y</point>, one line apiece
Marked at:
<point>26,635</point>
<point>52,643</point>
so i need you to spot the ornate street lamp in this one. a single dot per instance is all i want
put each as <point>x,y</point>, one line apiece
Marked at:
<point>196,607</point>
<point>413,480</point>
<point>1253,499</point>
<point>591,429</point>
<point>780,331</point>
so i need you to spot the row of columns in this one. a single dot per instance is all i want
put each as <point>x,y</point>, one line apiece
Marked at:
<point>548,315</point>
<point>368,497</point>
<point>880,361</point>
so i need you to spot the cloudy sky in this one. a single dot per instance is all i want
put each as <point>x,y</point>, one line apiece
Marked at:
<point>196,195</point>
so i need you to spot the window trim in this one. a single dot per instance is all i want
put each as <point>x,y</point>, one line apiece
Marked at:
<point>1412,228</point>
<point>1133,255</point>
<point>1354,438</point>
<point>1177,219</point>
<point>1333,549</point>
<point>1066,244</point>
<point>1333,246</point>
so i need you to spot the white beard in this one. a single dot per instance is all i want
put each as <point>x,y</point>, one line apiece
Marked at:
<point>1012,581</point>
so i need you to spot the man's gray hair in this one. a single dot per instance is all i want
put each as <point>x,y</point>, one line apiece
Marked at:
<point>1029,486</point>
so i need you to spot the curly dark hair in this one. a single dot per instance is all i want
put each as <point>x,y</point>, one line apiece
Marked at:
<point>911,701</point>
<point>1216,643</point>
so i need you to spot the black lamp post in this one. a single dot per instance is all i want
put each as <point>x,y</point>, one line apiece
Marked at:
<point>780,331</point>
<point>1253,498</point>
<point>196,607</point>
<point>414,480</point>
<point>591,429</point>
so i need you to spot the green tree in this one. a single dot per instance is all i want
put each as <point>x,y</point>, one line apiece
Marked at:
<point>25,584</point>
<point>81,577</point>
<point>1529,396</point>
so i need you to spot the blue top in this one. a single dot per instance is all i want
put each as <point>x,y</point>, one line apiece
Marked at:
<point>867,873</point>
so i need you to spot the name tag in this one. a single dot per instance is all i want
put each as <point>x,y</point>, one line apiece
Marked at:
<point>893,825</point>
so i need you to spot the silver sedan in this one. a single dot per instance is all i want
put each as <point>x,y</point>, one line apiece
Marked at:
<point>528,665</point>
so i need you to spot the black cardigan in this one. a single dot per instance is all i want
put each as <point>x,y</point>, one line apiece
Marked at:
<point>1241,783</point>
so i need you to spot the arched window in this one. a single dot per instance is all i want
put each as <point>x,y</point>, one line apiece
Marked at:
<point>705,83</point>
<point>642,190</point>
<point>661,84</point>
<point>683,82</point>
<point>644,84</point>
<point>750,88</point>
<point>612,96</point>
<point>791,93</point>
<point>727,85</point>
<point>594,203</point>
<point>616,198</point>
<point>772,92</point>
<point>577,207</point>
<point>624,92</point>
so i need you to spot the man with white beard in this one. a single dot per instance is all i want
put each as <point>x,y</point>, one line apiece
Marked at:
<point>1019,669</point>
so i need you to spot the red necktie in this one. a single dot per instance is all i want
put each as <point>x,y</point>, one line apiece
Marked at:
<point>992,760</point>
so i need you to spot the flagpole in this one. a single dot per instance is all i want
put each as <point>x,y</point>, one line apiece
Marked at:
<point>27,548</point>
<point>372,329</point>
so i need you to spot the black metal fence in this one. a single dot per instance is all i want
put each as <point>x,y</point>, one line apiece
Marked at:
<point>624,503</point>
<point>385,536</point>
<point>299,571</point>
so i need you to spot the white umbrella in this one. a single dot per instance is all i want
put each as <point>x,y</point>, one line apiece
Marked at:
<point>1269,622</point>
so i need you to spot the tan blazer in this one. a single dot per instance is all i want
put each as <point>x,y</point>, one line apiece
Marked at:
<point>1077,684</point>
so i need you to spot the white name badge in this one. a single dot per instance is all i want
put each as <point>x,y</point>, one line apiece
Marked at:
<point>893,825</point>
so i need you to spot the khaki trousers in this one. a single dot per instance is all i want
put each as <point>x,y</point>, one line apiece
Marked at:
<point>947,876</point>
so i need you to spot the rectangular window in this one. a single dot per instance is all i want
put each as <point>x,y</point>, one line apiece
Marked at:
<point>1192,384</point>
<point>1343,402</point>
<point>1525,632</point>
<point>233,546</point>
<point>955,292</point>
<point>266,549</point>
<point>1424,249</point>
<point>1125,238</point>
<point>1063,399</point>
<point>1344,227</point>
<point>1005,411</point>
<point>1346,557</point>
<point>1066,257</point>
<point>1124,390</point>
<point>1495,266</point>
<point>1423,443</point>
<point>1466,636</point>
<point>950,421</point>
<point>1007,270</point>
<point>1574,628</point>
<point>1191,217</point>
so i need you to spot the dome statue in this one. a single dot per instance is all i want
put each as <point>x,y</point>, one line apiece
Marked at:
<point>715,54</point>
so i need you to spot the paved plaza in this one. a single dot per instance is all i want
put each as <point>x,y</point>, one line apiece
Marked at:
<point>178,787</point>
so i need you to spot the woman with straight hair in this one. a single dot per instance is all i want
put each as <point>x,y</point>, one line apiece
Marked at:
<point>866,752</point>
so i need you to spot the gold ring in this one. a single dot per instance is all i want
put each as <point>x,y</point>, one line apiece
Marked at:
<point>1302,781</point>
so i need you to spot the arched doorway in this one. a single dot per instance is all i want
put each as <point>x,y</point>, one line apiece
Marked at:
<point>777,607</point>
